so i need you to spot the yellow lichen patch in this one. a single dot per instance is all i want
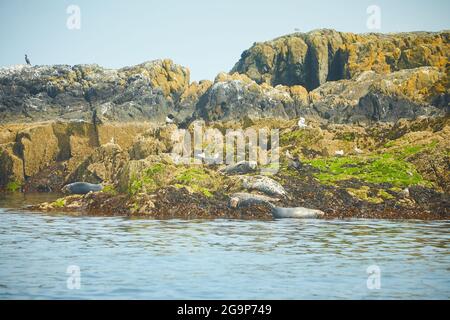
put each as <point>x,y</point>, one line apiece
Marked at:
<point>419,85</point>
<point>195,90</point>
<point>224,77</point>
<point>363,194</point>
<point>163,74</point>
<point>299,94</point>
<point>385,195</point>
<point>339,55</point>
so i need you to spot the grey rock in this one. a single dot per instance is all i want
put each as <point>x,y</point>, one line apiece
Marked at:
<point>146,92</point>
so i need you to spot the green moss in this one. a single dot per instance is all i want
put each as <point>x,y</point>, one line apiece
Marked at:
<point>59,203</point>
<point>296,137</point>
<point>197,180</point>
<point>135,186</point>
<point>192,175</point>
<point>404,152</point>
<point>300,138</point>
<point>110,190</point>
<point>363,194</point>
<point>389,144</point>
<point>155,169</point>
<point>385,195</point>
<point>13,186</point>
<point>153,178</point>
<point>195,189</point>
<point>385,168</point>
<point>346,136</point>
<point>206,193</point>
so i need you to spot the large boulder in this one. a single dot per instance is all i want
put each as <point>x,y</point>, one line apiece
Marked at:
<point>11,166</point>
<point>38,147</point>
<point>102,166</point>
<point>313,58</point>
<point>123,134</point>
<point>145,146</point>
<point>136,170</point>
<point>375,97</point>
<point>235,97</point>
<point>147,91</point>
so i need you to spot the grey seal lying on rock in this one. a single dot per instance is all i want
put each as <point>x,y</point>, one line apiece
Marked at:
<point>239,200</point>
<point>241,167</point>
<point>81,188</point>
<point>299,213</point>
<point>264,184</point>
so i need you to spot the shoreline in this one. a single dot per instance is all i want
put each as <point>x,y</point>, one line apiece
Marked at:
<point>398,171</point>
<point>180,204</point>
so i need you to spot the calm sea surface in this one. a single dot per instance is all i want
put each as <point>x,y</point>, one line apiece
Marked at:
<point>218,259</point>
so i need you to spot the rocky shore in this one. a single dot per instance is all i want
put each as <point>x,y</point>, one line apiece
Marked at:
<point>374,143</point>
<point>396,172</point>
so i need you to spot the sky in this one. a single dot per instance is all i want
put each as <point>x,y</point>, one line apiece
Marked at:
<point>208,36</point>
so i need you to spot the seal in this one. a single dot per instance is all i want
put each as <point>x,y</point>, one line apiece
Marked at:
<point>263,184</point>
<point>241,200</point>
<point>298,213</point>
<point>81,188</point>
<point>241,167</point>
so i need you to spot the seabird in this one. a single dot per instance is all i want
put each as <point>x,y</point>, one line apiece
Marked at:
<point>27,60</point>
<point>302,123</point>
<point>170,119</point>
<point>405,193</point>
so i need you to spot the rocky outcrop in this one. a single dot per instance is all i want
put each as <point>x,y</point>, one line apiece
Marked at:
<point>38,147</point>
<point>35,152</point>
<point>374,97</point>
<point>341,77</point>
<point>383,170</point>
<point>313,58</point>
<point>366,98</point>
<point>11,166</point>
<point>148,91</point>
<point>236,96</point>
<point>102,166</point>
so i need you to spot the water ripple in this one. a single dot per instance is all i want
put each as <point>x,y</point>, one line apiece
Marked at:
<point>208,259</point>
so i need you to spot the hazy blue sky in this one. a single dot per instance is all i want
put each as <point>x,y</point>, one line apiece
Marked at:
<point>205,35</point>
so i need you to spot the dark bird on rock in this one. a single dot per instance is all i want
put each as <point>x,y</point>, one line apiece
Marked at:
<point>27,60</point>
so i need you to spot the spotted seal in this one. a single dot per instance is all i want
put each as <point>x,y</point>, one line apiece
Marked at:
<point>299,213</point>
<point>242,199</point>
<point>263,184</point>
<point>241,167</point>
